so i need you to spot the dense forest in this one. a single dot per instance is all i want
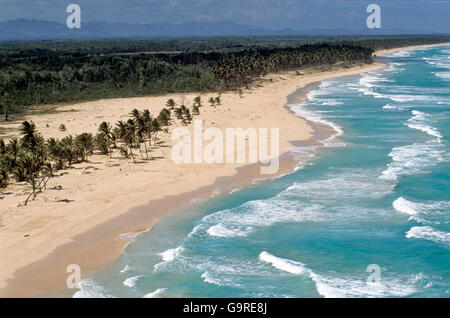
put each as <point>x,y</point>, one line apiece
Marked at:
<point>33,73</point>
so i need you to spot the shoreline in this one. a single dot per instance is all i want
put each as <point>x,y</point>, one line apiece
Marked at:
<point>103,241</point>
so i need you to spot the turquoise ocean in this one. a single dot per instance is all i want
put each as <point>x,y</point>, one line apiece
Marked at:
<point>368,216</point>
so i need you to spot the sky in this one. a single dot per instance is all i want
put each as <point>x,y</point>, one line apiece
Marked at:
<point>420,15</point>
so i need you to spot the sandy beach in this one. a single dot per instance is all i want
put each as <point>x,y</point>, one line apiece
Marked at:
<point>79,219</point>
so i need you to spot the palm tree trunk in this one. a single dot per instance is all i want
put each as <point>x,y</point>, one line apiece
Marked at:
<point>140,150</point>
<point>132,155</point>
<point>146,150</point>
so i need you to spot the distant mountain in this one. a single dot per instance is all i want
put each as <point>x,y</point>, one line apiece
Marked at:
<point>24,29</point>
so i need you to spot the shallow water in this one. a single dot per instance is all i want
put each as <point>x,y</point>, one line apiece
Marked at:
<point>377,194</point>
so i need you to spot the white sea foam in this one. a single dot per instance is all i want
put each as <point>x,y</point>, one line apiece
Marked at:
<point>299,110</point>
<point>232,272</point>
<point>283,264</point>
<point>428,233</point>
<point>131,281</point>
<point>171,253</point>
<point>156,293</point>
<point>413,159</point>
<point>398,54</point>
<point>168,256</point>
<point>125,269</point>
<point>90,289</point>
<point>444,75</point>
<point>369,82</point>
<point>331,102</point>
<point>420,121</point>
<point>404,206</point>
<point>219,280</point>
<point>339,287</point>
<point>389,106</point>
<point>341,185</point>
<point>221,231</point>
<point>333,287</point>
<point>245,219</point>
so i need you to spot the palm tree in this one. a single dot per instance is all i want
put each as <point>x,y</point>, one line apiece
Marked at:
<point>47,171</point>
<point>135,114</point>
<point>156,128</point>
<point>218,100</point>
<point>55,150</point>
<point>141,133</point>
<point>4,177</point>
<point>12,152</point>
<point>146,115</point>
<point>195,110</point>
<point>131,130</point>
<point>188,116</point>
<point>179,112</point>
<point>69,150</point>
<point>30,137</point>
<point>85,142</point>
<point>212,101</point>
<point>128,138</point>
<point>121,127</point>
<point>102,143</point>
<point>29,167</point>
<point>2,147</point>
<point>105,130</point>
<point>198,101</point>
<point>171,104</point>
<point>164,117</point>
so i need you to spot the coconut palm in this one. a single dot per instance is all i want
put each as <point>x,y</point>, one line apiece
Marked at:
<point>28,166</point>
<point>212,101</point>
<point>55,150</point>
<point>30,136</point>
<point>146,116</point>
<point>171,104</point>
<point>121,129</point>
<point>47,171</point>
<point>218,100</point>
<point>156,128</point>
<point>128,137</point>
<point>141,134</point>
<point>85,142</point>
<point>179,112</point>
<point>12,152</point>
<point>164,117</point>
<point>198,101</point>
<point>188,116</point>
<point>102,143</point>
<point>2,147</point>
<point>105,130</point>
<point>195,110</point>
<point>4,177</point>
<point>69,151</point>
<point>135,114</point>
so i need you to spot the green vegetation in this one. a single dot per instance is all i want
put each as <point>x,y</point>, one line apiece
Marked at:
<point>35,160</point>
<point>34,73</point>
